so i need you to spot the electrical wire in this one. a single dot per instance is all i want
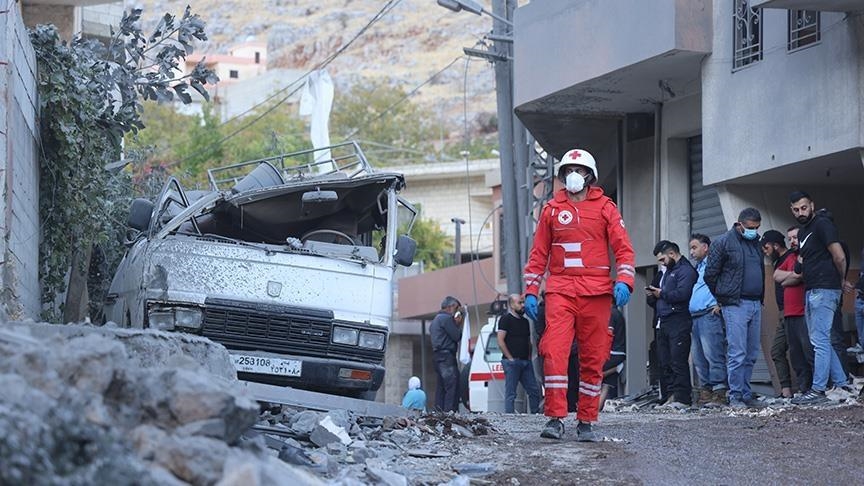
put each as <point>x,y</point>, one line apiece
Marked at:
<point>402,99</point>
<point>390,5</point>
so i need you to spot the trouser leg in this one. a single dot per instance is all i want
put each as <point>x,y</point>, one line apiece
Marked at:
<point>594,340</point>
<point>555,349</point>
<point>664,361</point>
<point>778,355</point>
<point>679,351</point>
<point>529,383</point>
<point>800,351</point>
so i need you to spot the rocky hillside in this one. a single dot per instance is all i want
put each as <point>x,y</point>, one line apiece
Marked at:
<point>412,42</point>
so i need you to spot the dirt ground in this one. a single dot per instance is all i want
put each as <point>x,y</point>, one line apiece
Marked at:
<point>769,446</point>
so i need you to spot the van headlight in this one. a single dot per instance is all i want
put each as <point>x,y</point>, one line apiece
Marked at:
<point>371,340</point>
<point>344,335</point>
<point>168,318</point>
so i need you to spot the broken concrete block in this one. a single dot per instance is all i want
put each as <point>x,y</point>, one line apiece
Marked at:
<point>386,477</point>
<point>327,432</point>
<point>305,422</point>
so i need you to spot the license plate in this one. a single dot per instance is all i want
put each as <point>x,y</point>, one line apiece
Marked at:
<point>267,366</point>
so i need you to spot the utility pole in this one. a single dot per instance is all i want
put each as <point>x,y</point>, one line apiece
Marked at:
<point>457,245</point>
<point>504,90</point>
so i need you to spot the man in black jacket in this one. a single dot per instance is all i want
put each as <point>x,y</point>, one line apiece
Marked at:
<point>446,331</point>
<point>674,324</point>
<point>735,274</point>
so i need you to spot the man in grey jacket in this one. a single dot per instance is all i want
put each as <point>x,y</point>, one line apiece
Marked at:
<point>446,331</point>
<point>735,274</point>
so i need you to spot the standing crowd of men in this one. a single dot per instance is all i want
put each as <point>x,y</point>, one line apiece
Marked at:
<point>710,309</point>
<point>714,312</point>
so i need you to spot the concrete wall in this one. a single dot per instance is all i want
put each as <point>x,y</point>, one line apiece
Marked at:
<point>446,196</point>
<point>613,33</point>
<point>681,120</point>
<point>19,168</point>
<point>791,106</point>
<point>66,18</point>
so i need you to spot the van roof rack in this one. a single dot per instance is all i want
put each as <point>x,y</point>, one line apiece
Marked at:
<point>341,161</point>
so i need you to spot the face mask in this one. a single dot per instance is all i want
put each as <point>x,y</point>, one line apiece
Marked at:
<point>750,234</point>
<point>574,182</point>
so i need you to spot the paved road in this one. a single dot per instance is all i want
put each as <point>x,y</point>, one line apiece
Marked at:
<point>792,446</point>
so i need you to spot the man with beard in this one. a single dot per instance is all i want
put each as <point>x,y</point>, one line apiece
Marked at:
<point>514,339</point>
<point>800,349</point>
<point>774,247</point>
<point>823,267</point>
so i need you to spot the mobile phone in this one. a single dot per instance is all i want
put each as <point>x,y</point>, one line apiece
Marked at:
<point>457,315</point>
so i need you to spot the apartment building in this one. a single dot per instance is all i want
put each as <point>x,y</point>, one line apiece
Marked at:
<point>696,109</point>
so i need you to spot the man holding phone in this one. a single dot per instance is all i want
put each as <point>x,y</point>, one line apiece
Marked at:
<point>446,331</point>
<point>674,324</point>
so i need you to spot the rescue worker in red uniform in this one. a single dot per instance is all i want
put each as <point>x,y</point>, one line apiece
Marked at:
<point>574,234</point>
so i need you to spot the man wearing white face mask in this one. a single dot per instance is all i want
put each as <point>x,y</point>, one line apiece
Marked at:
<point>735,275</point>
<point>574,234</point>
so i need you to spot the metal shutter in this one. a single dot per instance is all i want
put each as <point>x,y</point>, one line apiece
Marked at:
<point>706,216</point>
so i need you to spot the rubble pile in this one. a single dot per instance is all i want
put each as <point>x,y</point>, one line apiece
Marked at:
<point>101,405</point>
<point>343,448</point>
<point>85,405</point>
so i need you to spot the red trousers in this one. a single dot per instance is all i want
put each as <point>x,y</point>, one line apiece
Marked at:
<point>586,318</point>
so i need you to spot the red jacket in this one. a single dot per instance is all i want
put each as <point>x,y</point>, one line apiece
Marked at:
<point>572,243</point>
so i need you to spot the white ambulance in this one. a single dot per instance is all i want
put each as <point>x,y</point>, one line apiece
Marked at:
<point>486,380</point>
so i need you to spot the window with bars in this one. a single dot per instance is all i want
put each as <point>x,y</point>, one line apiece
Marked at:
<point>747,29</point>
<point>804,29</point>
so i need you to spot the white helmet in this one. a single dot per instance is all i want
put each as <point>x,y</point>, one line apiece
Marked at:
<point>578,157</point>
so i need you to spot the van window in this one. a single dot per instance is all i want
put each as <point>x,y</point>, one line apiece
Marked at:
<point>493,351</point>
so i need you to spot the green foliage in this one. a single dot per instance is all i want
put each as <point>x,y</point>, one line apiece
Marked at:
<point>89,98</point>
<point>376,112</point>
<point>433,245</point>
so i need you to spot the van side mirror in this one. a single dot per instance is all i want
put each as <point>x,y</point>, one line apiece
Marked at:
<point>314,197</point>
<point>139,214</point>
<point>405,250</point>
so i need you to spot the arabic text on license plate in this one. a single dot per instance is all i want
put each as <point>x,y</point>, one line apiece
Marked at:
<point>267,366</point>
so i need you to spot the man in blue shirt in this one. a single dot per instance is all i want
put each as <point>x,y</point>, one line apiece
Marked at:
<point>708,347</point>
<point>415,397</point>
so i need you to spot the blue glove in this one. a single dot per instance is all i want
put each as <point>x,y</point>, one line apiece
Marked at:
<point>622,294</point>
<point>531,306</point>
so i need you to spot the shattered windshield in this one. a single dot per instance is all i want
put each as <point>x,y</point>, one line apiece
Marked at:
<point>350,222</point>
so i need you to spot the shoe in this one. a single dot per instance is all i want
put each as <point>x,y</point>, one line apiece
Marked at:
<point>673,405</point>
<point>584,433</point>
<point>554,429</point>
<point>754,403</point>
<point>737,403</point>
<point>855,349</point>
<point>812,397</point>
<point>706,396</point>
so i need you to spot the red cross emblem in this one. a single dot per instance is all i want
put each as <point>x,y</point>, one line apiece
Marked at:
<point>576,154</point>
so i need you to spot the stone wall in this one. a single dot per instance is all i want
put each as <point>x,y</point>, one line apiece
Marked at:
<point>19,167</point>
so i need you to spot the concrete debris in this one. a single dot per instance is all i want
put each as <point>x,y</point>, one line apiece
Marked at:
<point>87,405</point>
<point>383,476</point>
<point>475,470</point>
<point>328,432</point>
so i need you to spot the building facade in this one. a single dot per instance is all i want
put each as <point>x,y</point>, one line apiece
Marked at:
<point>697,109</point>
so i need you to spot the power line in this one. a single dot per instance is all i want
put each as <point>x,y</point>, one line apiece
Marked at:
<point>390,5</point>
<point>402,99</point>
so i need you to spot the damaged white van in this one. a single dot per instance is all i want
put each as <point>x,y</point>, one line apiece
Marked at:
<point>287,262</point>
